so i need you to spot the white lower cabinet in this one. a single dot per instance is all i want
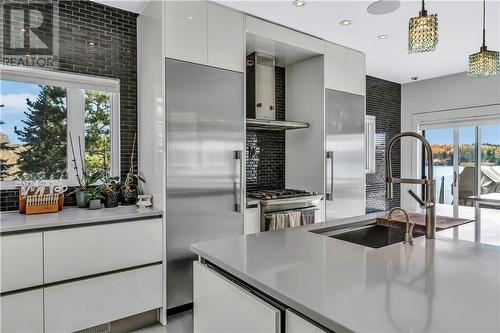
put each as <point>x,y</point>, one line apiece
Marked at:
<point>22,312</point>
<point>222,306</point>
<point>21,261</point>
<point>85,303</point>
<point>77,252</point>
<point>252,220</point>
<point>297,324</point>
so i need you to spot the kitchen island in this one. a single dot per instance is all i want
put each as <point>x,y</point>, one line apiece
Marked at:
<point>325,284</point>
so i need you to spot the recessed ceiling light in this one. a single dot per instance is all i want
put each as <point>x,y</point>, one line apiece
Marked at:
<point>299,3</point>
<point>345,22</point>
<point>91,44</point>
<point>382,36</point>
<point>414,78</point>
<point>382,7</point>
<point>190,17</point>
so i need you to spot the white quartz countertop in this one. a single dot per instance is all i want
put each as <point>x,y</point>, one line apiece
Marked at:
<point>440,285</point>
<point>15,222</point>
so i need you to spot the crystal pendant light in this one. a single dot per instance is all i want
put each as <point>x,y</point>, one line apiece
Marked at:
<point>485,62</point>
<point>423,32</point>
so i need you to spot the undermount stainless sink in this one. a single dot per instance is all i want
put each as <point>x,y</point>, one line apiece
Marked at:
<point>374,236</point>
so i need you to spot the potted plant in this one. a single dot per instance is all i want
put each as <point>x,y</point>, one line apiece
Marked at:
<point>93,197</point>
<point>85,179</point>
<point>130,186</point>
<point>112,187</point>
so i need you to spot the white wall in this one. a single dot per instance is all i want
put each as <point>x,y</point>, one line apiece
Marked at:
<point>444,99</point>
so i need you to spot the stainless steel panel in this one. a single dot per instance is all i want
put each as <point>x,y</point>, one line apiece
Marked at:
<point>345,178</point>
<point>205,135</point>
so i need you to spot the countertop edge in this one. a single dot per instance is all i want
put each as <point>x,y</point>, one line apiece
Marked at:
<point>123,214</point>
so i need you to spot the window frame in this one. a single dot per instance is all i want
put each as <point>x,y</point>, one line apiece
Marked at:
<point>75,85</point>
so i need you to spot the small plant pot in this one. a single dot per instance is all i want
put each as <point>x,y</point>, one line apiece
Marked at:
<point>80,199</point>
<point>95,204</point>
<point>130,197</point>
<point>111,200</point>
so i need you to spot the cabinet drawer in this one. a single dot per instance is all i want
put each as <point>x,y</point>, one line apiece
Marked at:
<point>77,252</point>
<point>222,306</point>
<point>297,324</point>
<point>22,312</point>
<point>81,304</point>
<point>21,261</point>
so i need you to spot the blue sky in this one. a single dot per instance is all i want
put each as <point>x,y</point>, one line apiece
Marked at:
<point>489,134</point>
<point>13,95</point>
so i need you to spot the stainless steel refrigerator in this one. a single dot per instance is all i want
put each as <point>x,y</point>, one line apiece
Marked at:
<point>345,154</point>
<point>204,140</point>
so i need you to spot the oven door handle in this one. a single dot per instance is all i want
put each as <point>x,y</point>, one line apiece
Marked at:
<point>329,175</point>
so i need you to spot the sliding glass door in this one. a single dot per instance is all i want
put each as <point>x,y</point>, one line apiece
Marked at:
<point>466,162</point>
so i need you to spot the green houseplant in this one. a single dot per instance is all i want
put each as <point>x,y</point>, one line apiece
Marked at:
<point>93,197</point>
<point>84,178</point>
<point>130,187</point>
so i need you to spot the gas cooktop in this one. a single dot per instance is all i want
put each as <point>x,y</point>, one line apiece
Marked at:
<point>279,194</point>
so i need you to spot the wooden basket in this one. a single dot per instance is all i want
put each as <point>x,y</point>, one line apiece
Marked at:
<point>25,208</point>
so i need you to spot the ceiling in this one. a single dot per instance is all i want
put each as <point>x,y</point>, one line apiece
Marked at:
<point>459,31</point>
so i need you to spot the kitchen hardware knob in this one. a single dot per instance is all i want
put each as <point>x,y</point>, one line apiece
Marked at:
<point>259,105</point>
<point>271,107</point>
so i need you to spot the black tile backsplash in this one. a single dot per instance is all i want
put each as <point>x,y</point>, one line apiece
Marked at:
<point>383,100</point>
<point>266,149</point>
<point>114,55</point>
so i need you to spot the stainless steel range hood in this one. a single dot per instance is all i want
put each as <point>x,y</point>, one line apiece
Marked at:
<point>261,104</point>
<point>261,86</point>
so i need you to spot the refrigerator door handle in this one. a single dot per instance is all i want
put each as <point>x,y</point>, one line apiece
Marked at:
<point>237,179</point>
<point>329,183</point>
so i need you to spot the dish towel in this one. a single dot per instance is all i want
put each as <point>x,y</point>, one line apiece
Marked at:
<point>307,217</point>
<point>294,218</point>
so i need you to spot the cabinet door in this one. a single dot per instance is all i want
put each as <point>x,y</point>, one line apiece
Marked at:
<point>186,24</point>
<point>85,303</point>
<point>226,47</point>
<point>22,312</point>
<point>356,73</point>
<point>297,324</point>
<point>77,252</point>
<point>252,220</point>
<point>345,69</point>
<point>21,261</point>
<point>222,306</point>
<point>335,67</point>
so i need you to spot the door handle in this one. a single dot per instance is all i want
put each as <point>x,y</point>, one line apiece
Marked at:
<point>237,179</point>
<point>455,179</point>
<point>329,186</point>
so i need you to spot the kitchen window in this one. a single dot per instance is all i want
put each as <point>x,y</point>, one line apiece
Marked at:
<point>41,111</point>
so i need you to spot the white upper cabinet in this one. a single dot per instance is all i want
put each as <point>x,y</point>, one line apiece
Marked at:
<point>345,69</point>
<point>356,73</point>
<point>335,67</point>
<point>226,43</point>
<point>205,33</point>
<point>186,24</point>
<point>278,33</point>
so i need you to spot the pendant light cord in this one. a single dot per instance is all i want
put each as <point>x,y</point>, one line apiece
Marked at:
<point>484,21</point>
